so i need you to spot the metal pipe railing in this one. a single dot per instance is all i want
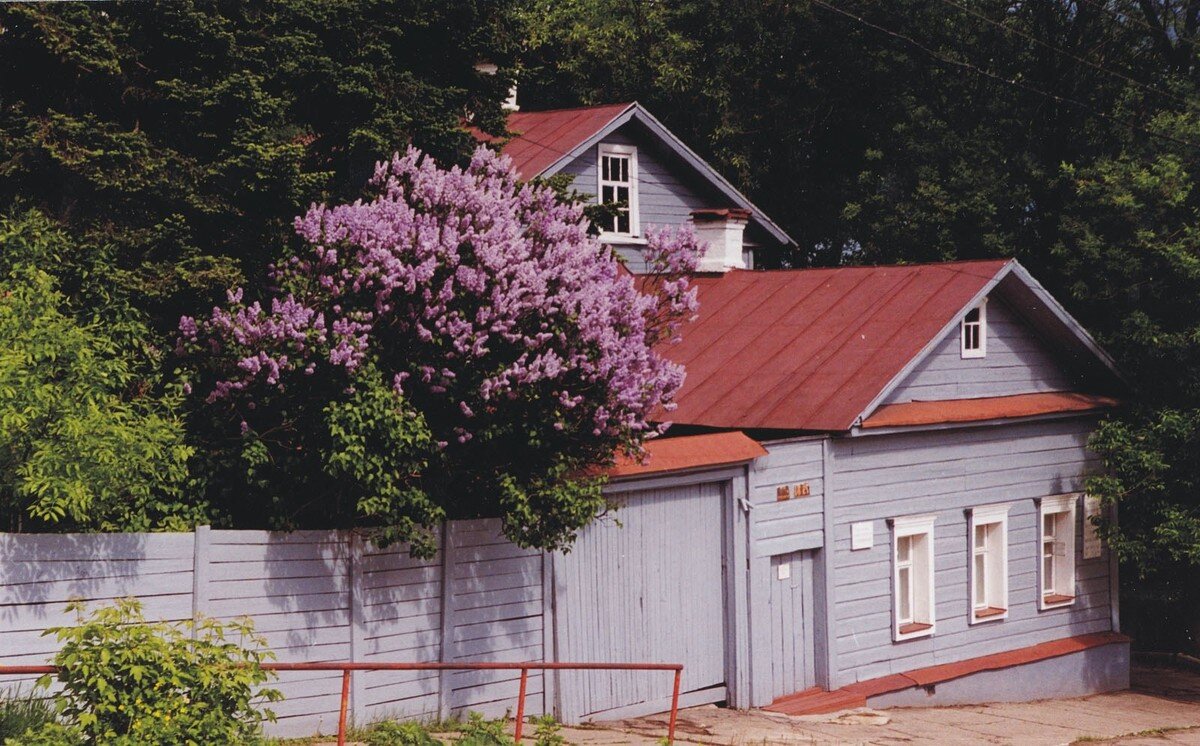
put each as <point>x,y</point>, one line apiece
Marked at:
<point>347,669</point>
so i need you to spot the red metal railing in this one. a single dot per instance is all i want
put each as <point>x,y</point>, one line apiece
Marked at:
<point>348,668</point>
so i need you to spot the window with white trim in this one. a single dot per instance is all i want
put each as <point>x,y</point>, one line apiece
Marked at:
<point>912,577</point>
<point>618,186</point>
<point>1056,573</point>
<point>989,563</point>
<point>973,338</point>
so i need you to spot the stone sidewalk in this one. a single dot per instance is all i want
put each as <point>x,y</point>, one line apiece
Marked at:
<point>1162,707</point>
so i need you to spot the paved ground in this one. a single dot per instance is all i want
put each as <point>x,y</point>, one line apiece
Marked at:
<point>1163,707</point>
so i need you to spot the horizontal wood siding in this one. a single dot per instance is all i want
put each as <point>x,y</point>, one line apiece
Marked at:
<point>783,526</point>
<point>1017,362</point>
<point>41,574</point>
<point>300,590</point>
<point>497,602</point>
<point>944,473</point>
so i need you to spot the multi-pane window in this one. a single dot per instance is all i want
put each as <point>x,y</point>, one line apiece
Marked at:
<point>618,188</point>
<point>974,332</point>
<point>1057,549</point>
<point>912,580</point>
<point>989,563</point>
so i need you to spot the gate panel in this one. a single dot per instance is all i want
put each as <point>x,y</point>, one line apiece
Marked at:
<point>791,623</point>
<point>645,584</point>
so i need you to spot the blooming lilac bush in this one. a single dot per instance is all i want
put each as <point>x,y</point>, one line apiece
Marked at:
<point>457,345</point>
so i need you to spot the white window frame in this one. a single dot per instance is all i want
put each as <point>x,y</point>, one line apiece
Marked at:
<point>923,609</point>
<point>1057,590</point>
<point>981,327</point>
<point>993,606</point>
<point>626,151</point>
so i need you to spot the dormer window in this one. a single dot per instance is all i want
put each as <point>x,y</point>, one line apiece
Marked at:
<point>974,332</point>
<point>618,187</point>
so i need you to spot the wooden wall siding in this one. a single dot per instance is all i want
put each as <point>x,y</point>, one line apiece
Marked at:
<point>497,616</point>
<point>40,574</point>
<point>944,473</point>
<point>1017,362</point>
<point>649,588</point>
<point>779,527</point>
<point>314,595</point>
<point>668,191</point>
<point>791,605</point>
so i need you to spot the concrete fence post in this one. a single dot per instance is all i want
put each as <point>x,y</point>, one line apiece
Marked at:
<point>201,565</point>
<point>447,639</point>
<point>358,629</point>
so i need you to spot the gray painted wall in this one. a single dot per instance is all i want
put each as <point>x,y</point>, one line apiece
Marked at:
<point>645,584</point>
<point>667,190</point>
<point>1017,362</point>
<point>945,472</point>
<point>314,595</point>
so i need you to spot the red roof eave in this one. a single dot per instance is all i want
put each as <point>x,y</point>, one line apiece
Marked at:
<point>689,452</point>
<point>951,411</point>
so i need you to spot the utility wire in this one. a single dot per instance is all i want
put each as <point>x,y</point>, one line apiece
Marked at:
<point>965,65</point>
<point>1008,29</point>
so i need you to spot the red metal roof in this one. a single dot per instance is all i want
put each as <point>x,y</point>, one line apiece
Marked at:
<point>689,452</point>
<point>542,137</point>
<point>985,408</point>
<point>811,349</point>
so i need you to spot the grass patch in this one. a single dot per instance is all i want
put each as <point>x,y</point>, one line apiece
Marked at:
<point>21,712</point>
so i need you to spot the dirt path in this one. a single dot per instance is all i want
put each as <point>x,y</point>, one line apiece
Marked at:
<point>1163,707</point>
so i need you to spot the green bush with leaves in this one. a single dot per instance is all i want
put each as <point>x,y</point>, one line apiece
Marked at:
<point>126,681</point>
<point>399,734</point>
<point>478,731</point>
<point>87,439</point>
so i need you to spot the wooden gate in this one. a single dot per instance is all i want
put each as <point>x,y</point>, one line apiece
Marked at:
<point>791,615</point>
<point>644,584</point>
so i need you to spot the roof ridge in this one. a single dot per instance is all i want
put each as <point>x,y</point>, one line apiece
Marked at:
<point>588,107</point>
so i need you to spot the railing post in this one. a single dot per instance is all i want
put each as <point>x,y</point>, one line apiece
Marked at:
<point>342,713</point>
<point>521,703</point>
<point>674,706</point>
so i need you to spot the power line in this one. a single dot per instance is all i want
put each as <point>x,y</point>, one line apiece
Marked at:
<point>1065,53</point>
<point>965,65</point>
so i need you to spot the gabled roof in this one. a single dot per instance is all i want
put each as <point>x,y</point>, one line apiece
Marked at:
<point>820,349</point>
<point>543,142</point>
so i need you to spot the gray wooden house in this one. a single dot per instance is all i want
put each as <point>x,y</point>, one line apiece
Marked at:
<point>873,489</point>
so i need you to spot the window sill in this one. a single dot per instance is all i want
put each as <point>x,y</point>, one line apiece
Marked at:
<point>1057,601</point>
<point>621,238</point>
<point>912,630</point>
<point>990,614</point>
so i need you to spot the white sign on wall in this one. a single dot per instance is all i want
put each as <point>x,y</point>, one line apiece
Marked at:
<point>862,535</point>
<point>1091,536</point>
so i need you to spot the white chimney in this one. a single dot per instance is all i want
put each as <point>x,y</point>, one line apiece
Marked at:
<point>722,230</point>
<point>485,67</point>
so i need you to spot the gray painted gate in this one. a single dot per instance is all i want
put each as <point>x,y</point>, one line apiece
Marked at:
<point>791,615</point>
<point>649,588</point>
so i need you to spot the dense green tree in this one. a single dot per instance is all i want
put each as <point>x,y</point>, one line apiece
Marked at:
<point>83,443</point>
<point>185,136</point>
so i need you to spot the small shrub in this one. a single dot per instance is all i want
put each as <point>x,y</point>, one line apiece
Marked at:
<point>22,712</point>
<point>399,734</point>
<point>479,732</point>
<point>130,682</point>
<point>546,731</point>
